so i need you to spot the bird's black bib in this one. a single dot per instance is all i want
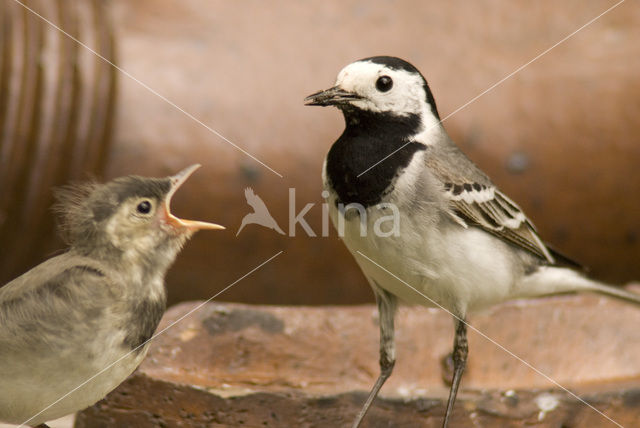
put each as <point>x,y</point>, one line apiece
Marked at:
<point>367,139</point>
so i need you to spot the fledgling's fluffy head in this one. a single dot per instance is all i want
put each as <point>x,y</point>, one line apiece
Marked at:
<point>130,215</point>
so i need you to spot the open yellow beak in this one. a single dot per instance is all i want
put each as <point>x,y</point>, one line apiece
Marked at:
<point>191,225</point>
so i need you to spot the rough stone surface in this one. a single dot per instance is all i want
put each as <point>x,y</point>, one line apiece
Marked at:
<point>262,366</point>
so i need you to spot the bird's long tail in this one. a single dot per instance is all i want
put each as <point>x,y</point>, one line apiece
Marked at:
<point>555,280</point>
<point>617,293</point>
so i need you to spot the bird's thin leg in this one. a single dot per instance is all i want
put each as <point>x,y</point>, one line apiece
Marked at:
<point>386,309</point>
<point>460,352</point>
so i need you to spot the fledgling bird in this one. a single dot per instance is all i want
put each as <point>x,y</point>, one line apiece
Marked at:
<point>461,244</point>
<point>95,306</point>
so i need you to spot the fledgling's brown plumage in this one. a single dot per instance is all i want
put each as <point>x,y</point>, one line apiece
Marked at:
<point>83,207</point>
<point>75,326</point>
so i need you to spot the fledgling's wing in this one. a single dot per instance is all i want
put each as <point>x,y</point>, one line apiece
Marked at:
<point>60,298</point>
<point>476,201</point>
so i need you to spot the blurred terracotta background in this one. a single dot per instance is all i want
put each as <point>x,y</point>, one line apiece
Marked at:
<point>562,136</point>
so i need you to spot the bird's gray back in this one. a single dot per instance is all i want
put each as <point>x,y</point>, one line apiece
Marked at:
<point>450,164</point>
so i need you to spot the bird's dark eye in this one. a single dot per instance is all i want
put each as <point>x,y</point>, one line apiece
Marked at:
<point>384,83</point>
<point>144,207</point>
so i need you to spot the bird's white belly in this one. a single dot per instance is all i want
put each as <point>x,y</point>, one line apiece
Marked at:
<point>455,268</point>
<point>52,391</point>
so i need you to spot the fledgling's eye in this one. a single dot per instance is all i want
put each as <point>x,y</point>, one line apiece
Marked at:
<point>384,83</point>
<point>144,207</point>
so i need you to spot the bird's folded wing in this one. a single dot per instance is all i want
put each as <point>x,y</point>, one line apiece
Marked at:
<point>53,298</point>
<point>485,206</point>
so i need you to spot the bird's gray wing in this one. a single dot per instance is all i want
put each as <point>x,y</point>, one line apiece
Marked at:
<point>490,209</point>
<point>59,298</point>
<point>475,201</point>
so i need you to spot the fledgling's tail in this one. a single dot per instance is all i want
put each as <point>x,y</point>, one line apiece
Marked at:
<point>550,280</point>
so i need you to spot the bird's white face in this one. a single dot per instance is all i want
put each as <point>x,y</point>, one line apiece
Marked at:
<point>371,85</point>
<point>383,89</point>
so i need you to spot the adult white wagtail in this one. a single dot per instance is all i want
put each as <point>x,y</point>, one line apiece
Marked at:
<point>67,319</point>
<point>460,242</point>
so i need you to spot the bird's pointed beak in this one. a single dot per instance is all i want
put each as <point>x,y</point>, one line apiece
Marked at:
<point>180,224</point>
<point>330,97</point>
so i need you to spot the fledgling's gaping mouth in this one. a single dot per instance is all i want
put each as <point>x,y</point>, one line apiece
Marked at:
<point>178,223</point>
<point>331,97</point>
